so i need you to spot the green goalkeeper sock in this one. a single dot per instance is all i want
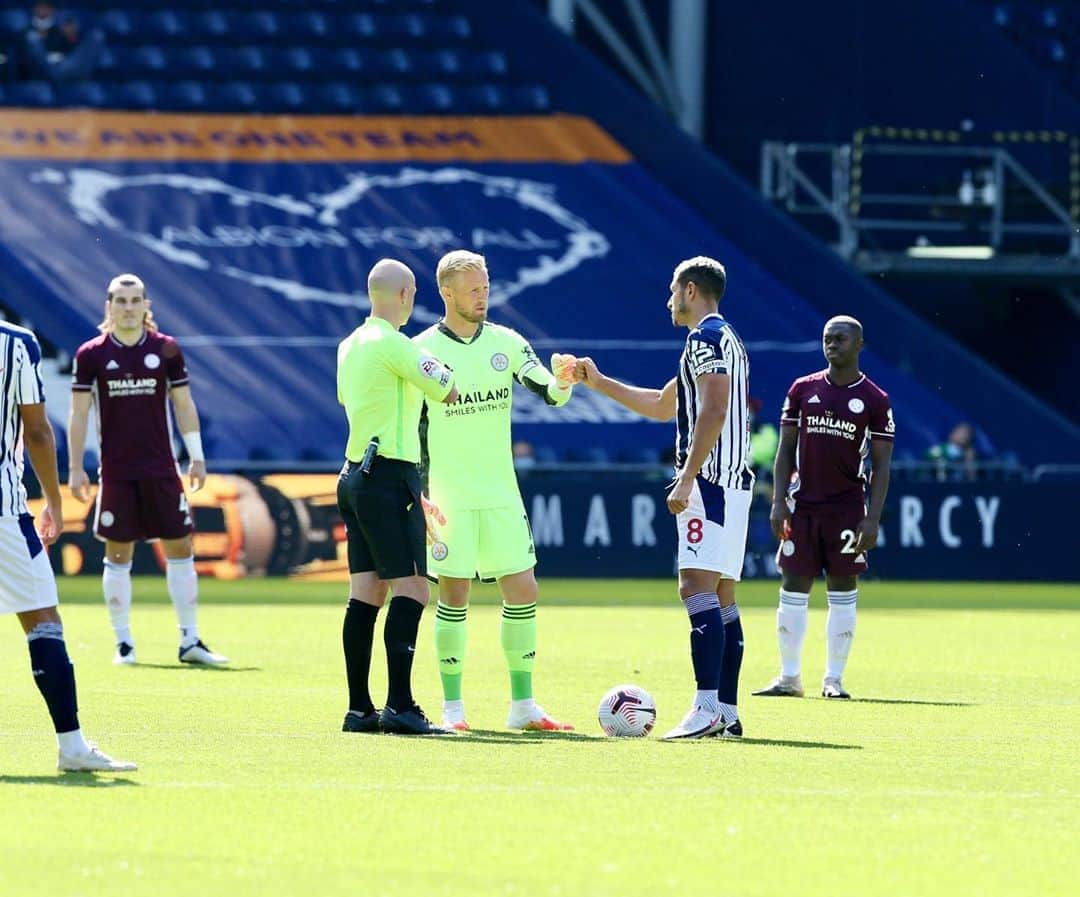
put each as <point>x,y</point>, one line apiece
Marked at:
<point>450,637</point>
<point>519,646</point>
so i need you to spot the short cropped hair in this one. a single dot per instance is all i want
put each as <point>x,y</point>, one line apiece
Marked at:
<point>458,260</point>
<point>118,282</point>
<point>708,274</point>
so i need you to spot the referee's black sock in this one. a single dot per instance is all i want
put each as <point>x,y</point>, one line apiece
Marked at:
<point>357,635</point>
<point>399,634</point>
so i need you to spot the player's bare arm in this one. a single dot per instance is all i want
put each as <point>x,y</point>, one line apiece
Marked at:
<point>866,533</point>
<point>40,445</point>
<point>187,418</point>
<point>657,404</point>
<point>714,391</point>
<point>78,479</point>
<point>783,468</point>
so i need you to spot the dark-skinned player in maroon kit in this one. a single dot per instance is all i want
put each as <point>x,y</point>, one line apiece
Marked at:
<point>820,513</point>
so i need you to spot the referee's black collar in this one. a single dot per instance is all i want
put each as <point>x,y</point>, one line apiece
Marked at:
<point>446,331</point>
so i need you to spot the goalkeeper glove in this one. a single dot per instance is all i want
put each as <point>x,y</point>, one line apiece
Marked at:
<point>563,367</point>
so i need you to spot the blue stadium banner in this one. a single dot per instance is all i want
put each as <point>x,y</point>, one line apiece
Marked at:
<point>254,236</point>
<point>587,527</point>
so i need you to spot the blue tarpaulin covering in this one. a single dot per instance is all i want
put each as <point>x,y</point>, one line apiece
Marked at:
<point>258,269</point>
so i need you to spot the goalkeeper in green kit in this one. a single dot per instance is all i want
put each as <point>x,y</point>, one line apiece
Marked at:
<point>478,521</point>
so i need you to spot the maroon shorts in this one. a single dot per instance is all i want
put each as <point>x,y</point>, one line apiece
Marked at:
<point>823,540</point>
<point>137,510</point>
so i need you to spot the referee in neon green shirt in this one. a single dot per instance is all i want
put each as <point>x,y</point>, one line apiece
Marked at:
<point>382,380</point>
<point>481,524</point>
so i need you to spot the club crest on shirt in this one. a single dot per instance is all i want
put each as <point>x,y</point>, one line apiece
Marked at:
<point>499,361</point>
<point>788,548</point>
<point>152,361</point>
<point>856,406</point>
<point>439,551</point>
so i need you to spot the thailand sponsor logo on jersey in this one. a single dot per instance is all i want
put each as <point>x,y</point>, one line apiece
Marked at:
<point>833,426</point>
<point>132,386</point>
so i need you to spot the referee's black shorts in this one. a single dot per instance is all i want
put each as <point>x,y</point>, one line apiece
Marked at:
<point>384,519</point>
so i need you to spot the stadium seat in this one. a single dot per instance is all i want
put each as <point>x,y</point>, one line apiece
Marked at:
<point>432,98</point>
<point>14,23</point>
<point>234,96</point>
<point>344,62</point>
<point>210,25</point>
<point>146,62</point>
<point>192,62</point>
<point>356,26</point>
<point>136,95</point>
<point>383,99</point>
<point>488,64</point>
<point>118,27</point>
<point>254,27</point>
<point>293,62</point>
<point>308,26</point>
<point>337,96</point>
<point>436,63</point>
<point>164,25</point>
<point>481,98</point>
<point>532,98</point>
<point>184,95</point>
<point>447,28</point>
<point>394,64</point>
<point>82,93</point>
<point>29,93</point>
<point>241,63</point>
<point>286,96</point>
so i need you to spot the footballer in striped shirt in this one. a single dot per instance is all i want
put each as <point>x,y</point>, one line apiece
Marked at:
<point>711,495</point>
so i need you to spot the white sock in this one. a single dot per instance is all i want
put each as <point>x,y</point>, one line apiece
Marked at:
<point>839,631</point>
<point>791,630</point>
<point>183,585</point>
<point>72,742</point>
<point>730,712</point>
<point>707,700</point>
<point>521,705</point>
<point>453,707</point>
<point>116,587</point>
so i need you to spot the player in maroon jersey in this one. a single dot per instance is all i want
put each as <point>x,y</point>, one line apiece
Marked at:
<point>830,421</point>
<point>130,372</point>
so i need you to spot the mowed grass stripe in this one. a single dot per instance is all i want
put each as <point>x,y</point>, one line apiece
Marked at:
<point>949,777</point>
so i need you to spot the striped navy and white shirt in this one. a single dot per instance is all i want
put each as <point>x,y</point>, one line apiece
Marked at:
<point>713,347</point>
<point>20,384</point>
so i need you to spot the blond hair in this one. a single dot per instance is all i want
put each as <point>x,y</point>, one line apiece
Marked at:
<point>458,260</point>
<point>125,280</point>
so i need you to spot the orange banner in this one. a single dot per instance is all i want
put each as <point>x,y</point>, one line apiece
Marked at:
<point>76,134</point>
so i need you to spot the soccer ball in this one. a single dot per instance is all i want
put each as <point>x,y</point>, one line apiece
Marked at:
<point>628,711</point>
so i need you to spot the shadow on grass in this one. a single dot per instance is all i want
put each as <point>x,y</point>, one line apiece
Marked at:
<point>912,701</point>
<point>778,742</point>
<point>509,737</point>
<point>70,780</point>
<point>197,667</point>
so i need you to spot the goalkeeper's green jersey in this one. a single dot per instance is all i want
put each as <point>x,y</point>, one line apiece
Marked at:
<point>470,464</point>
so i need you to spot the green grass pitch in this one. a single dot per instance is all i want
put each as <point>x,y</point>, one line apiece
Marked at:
<point>954,773</point>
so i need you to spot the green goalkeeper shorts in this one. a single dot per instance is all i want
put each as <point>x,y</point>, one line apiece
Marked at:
<point>489,543</point>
